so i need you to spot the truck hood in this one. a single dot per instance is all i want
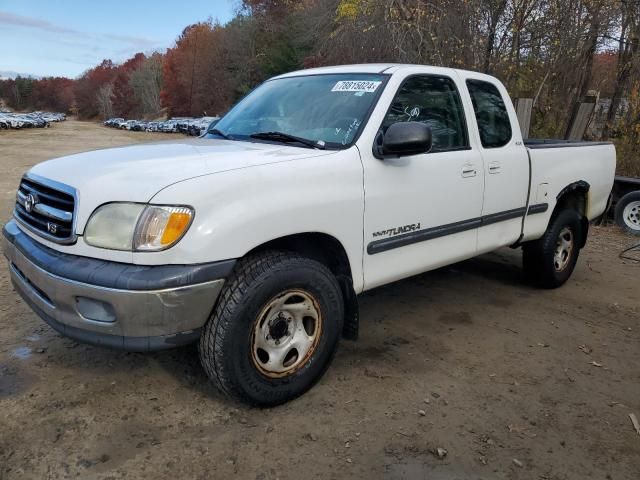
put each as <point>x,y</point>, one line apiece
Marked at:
<point>136,173</point>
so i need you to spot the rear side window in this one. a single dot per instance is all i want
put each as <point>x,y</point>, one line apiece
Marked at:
<point>491,114</point>
<point>435,102</point>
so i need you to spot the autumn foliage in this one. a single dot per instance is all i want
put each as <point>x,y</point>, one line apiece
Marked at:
<point>195,77</point>
<point>53,93</point>
<point>88,85</point>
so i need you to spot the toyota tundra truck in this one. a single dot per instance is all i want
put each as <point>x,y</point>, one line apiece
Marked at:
<point>255,239</point>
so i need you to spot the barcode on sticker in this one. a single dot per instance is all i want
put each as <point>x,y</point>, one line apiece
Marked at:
<point>356,86</point>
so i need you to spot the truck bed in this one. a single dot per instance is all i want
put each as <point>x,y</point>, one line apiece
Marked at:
<point>590,164</point>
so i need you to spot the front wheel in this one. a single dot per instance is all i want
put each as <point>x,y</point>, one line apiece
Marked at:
<point>274,329</point>
<point>628,212</point>
<point>549,261</point>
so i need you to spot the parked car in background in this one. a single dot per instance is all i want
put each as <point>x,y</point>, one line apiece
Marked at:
<point>201,125</point>
<point>20,121</point>
<point>53,117</point>
<point>128,124</point>
<point>189,126</point>
<point>182,124</point>
<point>37,120</point>
<point>139,126</point>
<point>170,126</point>
<point>29,120</point>
<point>152,126</point>
<point>113,122</point>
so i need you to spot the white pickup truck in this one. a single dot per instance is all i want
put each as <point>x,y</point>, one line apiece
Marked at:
<point>256,239</point>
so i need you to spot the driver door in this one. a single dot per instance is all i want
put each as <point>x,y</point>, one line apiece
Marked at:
<point>422,211</point>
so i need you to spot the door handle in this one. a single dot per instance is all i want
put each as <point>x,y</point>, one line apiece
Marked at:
<point>495,167</point>
<point>469,171</point>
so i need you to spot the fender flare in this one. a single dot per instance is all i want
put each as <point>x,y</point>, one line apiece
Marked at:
<point>579,186</point>
<point>583,187</point>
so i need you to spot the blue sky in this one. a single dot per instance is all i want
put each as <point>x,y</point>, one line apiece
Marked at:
<point>66,37</point>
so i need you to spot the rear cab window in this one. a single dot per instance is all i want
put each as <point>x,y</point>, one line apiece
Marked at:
<point>491,113</point>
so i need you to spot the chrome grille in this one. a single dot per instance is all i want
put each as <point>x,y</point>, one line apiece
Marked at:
<point>46,208</point>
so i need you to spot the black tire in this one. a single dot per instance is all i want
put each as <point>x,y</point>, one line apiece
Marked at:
<point>539,257</point>
<point>226,343</point>
<point>631,220</point>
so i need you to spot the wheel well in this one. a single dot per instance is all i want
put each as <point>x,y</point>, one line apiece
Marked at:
<point>319,246</point>
<point>575,197</point>
<point>329,251</point>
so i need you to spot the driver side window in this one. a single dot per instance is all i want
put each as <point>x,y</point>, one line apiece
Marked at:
<point>435,102</point>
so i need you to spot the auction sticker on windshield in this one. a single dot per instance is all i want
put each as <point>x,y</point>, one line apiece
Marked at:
<point>364,86</point>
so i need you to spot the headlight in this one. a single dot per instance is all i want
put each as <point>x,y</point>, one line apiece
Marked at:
<point>113,226</point>
<point>138,227</point>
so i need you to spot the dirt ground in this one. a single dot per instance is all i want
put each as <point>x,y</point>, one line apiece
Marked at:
<point>512,382</point>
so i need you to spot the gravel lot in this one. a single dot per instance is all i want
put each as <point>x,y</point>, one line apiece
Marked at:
<point>512,382</point>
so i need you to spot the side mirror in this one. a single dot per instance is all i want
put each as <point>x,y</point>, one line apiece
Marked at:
<point>402,139</point>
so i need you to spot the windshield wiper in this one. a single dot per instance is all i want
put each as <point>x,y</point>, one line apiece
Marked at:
<point>220,133</point>
<point>286,138</point>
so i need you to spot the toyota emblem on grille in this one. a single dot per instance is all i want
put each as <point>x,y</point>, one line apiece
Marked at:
<point>30,202</point>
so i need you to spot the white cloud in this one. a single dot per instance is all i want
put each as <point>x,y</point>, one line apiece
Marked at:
<point>35,23</point>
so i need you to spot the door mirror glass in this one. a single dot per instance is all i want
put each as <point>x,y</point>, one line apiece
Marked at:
<point>402,139</point>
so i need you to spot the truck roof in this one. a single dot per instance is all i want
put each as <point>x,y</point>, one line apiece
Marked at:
<point>356,68</point>
<point>387,68</point>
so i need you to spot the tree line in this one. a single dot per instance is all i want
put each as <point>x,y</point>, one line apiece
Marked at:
<point>557,52</point>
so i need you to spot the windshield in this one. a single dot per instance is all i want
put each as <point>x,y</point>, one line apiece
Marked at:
<point>328,110</point>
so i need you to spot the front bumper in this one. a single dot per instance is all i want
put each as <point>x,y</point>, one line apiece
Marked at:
<point>129,307</point>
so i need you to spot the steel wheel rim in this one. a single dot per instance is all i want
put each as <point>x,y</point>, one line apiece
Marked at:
<point>286,333</point>
<point>564,249</point>
<point>631,215</point>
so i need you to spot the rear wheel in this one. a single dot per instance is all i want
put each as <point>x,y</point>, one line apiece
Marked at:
<point>628,212</point>
<point>274,330</point>
<point>549,261</point>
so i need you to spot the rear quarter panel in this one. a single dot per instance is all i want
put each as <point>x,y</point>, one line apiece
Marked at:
<point>553,169</point>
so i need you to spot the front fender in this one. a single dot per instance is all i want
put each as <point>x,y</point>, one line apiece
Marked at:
<point>239,210</point>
